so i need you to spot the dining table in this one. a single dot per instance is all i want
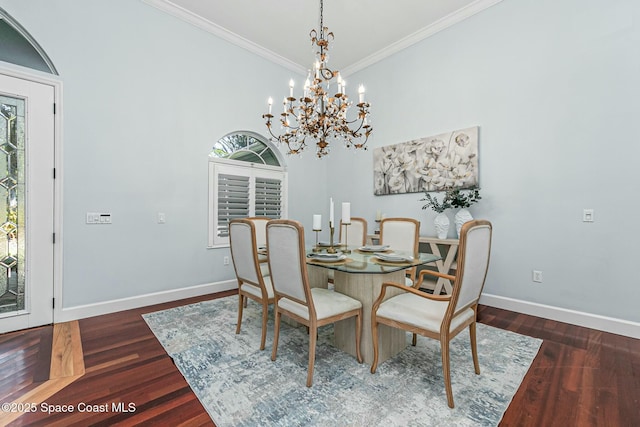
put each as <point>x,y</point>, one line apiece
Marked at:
<point>359,272</point>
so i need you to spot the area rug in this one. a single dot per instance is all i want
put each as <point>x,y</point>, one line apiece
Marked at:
<point>239,385</point>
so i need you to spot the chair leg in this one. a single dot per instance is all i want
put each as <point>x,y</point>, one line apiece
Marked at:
<point>358,336</point>
<point>312,354</point>
<point>444,345</point>
<point>474,347</point>
<point>276,333</point>
<point>265,315</point>
<point>414,340</point>
<point>240,305</point>
<point>374,336</point>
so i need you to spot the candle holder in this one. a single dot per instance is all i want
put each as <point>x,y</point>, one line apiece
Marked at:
<point>316,248</point>
<point>331,249</point>
<point>346,249</point>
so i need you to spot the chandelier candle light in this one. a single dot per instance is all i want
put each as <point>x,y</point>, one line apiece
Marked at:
<point>321,113</point>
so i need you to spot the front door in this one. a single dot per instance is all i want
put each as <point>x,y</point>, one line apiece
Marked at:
<point>26,203</point>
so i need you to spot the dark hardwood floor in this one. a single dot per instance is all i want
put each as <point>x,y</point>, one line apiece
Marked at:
<point>581,377</point>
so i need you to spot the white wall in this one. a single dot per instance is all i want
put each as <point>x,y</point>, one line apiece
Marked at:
<point>554,87</point>
<point>145,98</point>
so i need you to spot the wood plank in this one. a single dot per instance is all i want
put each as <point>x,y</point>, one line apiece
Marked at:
<point>43,364</point>
<point>580,377</point>
<point>67,359</point>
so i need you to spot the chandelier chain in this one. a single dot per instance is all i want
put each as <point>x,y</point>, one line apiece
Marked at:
<point>321,113</point>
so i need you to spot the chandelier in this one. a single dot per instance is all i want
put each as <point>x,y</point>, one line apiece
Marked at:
<point>321,113</point>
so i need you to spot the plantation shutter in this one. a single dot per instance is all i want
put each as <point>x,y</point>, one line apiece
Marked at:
<point>233,200</point>
<point>268,197</point>
<point>239,191</point>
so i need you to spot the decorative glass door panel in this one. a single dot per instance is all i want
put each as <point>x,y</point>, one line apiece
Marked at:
<point>12,204</point>
<point>27,195</point>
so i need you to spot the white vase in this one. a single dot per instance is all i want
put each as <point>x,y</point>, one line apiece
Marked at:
<point>441,223</point>
<point>462,216</point>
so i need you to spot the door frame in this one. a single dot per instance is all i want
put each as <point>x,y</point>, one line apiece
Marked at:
<point>27,74</point>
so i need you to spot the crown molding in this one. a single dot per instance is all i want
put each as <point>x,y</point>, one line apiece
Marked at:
<point>411,39</point>
<point>215,29</point>
<point>204,24</point>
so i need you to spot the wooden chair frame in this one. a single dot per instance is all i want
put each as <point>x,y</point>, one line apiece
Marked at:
<point>444,335</point>
<point>243,295</point>
<point>313,323</point>
<point>411,272</point>
<point>364,229</point>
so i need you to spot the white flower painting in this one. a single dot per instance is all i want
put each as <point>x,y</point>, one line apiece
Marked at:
<point>435,163</point>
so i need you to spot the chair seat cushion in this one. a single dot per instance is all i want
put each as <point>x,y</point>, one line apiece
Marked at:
<point>255,290</point>
<point>421,312</point>
<point>327,303</point>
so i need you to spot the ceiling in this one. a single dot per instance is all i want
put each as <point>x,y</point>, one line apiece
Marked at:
<point>365,30</point>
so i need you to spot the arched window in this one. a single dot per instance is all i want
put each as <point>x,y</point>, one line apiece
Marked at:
<point>247,178</point>
<point>18,47</point>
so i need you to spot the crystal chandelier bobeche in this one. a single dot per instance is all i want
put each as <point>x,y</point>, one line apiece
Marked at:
<point>321,113</point>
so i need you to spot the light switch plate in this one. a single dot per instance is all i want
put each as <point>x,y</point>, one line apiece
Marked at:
<point>98,218</point>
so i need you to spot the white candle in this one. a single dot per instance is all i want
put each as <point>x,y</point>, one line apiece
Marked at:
<point>291,88</point>
<point>317,222</point>
<point>346,213</point>
<point>378,215</point>
<point>270,101</point>
<point>361,93</point>
<point>331,212</point>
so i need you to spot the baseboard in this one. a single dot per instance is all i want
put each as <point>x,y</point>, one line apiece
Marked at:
<point>588,320</point>
<point>97,309</point>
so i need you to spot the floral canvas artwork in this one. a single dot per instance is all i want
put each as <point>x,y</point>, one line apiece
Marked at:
<point>434,163</point>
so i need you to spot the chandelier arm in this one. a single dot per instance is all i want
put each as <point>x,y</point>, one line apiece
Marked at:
<point>274,137</point>
<point>288,126</point>
<point>360,119</point>
<point>317,114</point>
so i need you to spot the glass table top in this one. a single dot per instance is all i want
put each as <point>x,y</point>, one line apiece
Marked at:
<point>369,262</point>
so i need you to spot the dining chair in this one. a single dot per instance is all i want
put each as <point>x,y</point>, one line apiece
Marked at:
<point>354,234</point>
<point>441,317</point>
<point>252,284</point>
<point>402,234</point>
<point>294,297</point>
<point>261,240</point>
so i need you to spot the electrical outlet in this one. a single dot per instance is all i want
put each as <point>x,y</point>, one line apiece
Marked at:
<point>537,276</point>
<point>225,260</point>
<point>161,218</point>
<point>587,215</point>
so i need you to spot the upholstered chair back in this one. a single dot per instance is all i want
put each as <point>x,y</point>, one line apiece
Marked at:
<point>356,233</point>
<point>401,234</point>
<point>261,229</point>
<point>473,262</point>
<point>287,262</point>
<point>243,250</point>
